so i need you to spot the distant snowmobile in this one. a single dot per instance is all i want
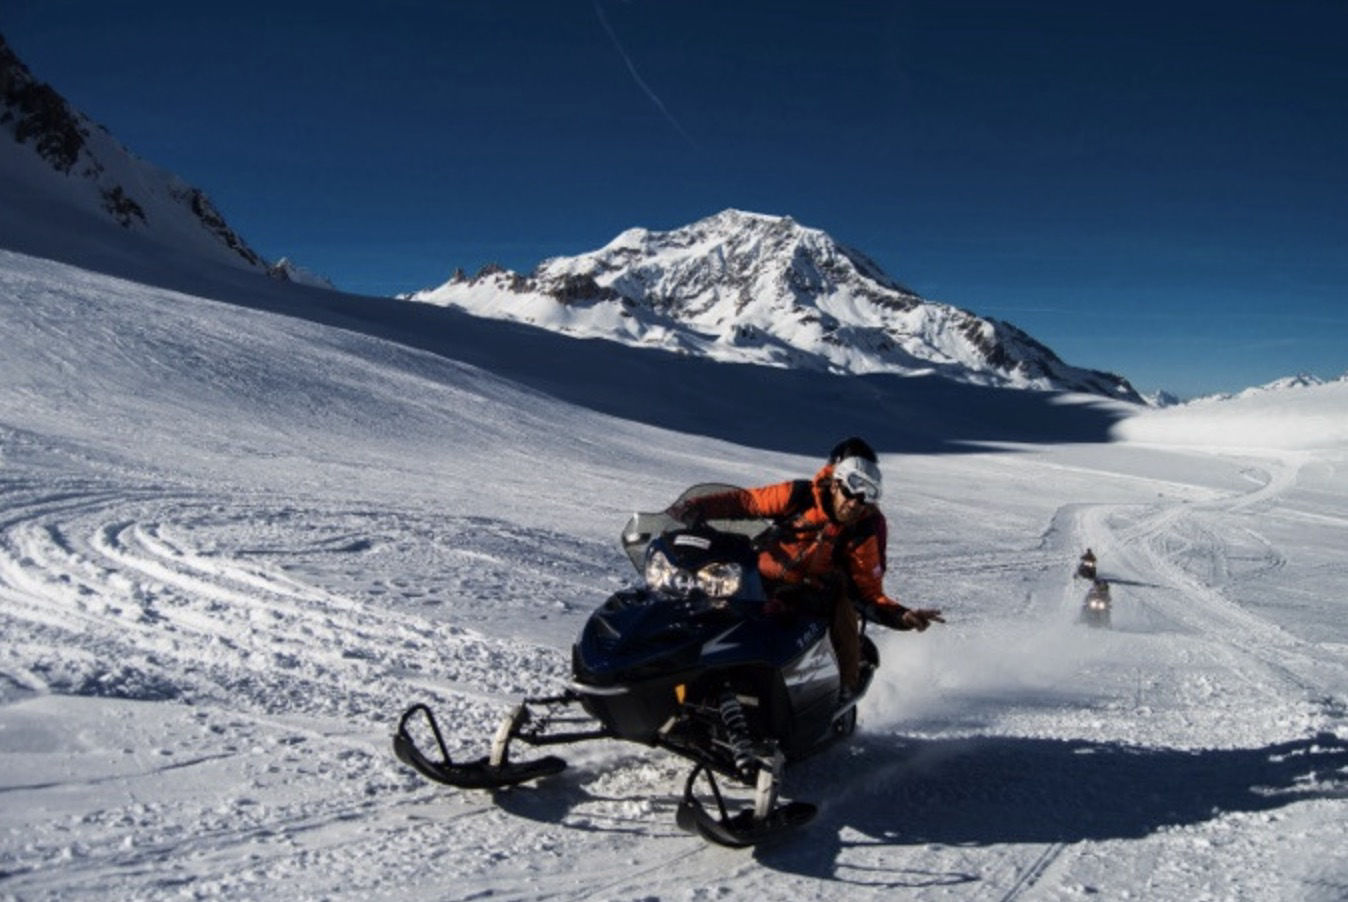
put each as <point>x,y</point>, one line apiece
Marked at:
<point>1086,566</point>
<point>1095,609</point>
<point>689,662</point>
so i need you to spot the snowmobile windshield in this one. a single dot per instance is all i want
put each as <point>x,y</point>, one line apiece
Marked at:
<point>642,528</point>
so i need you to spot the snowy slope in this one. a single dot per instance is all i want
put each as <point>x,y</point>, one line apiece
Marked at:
<point>1296,416</point>
<point>749,288</point>
<point>234,543</point>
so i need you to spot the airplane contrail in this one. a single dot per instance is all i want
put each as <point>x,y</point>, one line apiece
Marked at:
<point>636,76</point>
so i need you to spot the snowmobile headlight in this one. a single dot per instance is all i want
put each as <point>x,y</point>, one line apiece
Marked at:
<point>659,571</point>
<point>721,579</point>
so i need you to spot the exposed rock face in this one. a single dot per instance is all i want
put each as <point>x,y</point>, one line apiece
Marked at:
<point>38,115</point>
<point>88,169</point>
<point>285,270</point>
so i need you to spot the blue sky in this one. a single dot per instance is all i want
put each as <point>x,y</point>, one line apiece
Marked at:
<point>1156,189</point>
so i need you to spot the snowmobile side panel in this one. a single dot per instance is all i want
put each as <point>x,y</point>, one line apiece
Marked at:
<point>635,714</point>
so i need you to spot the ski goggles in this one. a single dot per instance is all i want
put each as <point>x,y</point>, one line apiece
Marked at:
<point>856,483</point>
<point>857,489</point>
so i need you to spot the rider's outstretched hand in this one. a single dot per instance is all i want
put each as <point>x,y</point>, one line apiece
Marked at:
<point>897,617</point>
<point>921,618</point>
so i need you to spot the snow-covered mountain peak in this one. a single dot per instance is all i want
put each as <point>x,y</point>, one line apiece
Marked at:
<point>1283,384</point>
<point>1300,380</point>
<point>755,288</point>
<point>1161,399</point>
<point>288,270</point>
<point>737,244</point>
<point>726,262</point>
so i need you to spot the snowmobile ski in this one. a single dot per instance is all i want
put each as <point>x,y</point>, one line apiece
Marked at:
<point>483,773</point>
<point>749,827</point>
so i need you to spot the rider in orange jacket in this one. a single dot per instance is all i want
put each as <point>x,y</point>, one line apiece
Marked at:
<point>827,552</point>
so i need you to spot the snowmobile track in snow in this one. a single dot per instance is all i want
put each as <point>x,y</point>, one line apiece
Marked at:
<point>1031,874</point>
<point>75,560</point>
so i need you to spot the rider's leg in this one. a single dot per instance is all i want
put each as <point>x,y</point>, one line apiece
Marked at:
<point>845,633</point>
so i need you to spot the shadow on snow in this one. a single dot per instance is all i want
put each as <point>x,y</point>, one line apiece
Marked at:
<point>981,791</point>
<point>791,411</point>
<point>995,790</point>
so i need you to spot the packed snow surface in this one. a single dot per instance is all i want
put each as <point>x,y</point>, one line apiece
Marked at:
<point>235,544</point>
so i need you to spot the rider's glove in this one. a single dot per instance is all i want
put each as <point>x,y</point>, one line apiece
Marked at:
<point>897,617</point>
<point>890,615</point>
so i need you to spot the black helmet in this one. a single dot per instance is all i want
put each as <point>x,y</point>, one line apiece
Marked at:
<point>852,447</point>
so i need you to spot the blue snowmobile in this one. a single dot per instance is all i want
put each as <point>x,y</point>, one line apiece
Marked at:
<point>688,661</point>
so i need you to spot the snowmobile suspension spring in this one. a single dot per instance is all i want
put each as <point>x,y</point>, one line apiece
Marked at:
<point>737,732</point>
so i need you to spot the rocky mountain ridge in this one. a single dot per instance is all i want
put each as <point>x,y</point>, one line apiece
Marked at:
<point>59,158</point>
<point>748,287</point>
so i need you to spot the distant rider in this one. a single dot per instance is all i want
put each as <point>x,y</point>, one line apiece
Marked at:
<point>1086,566</point>
<point>826,555</point>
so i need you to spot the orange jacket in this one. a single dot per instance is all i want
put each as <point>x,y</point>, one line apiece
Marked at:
<point>812,546</point>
